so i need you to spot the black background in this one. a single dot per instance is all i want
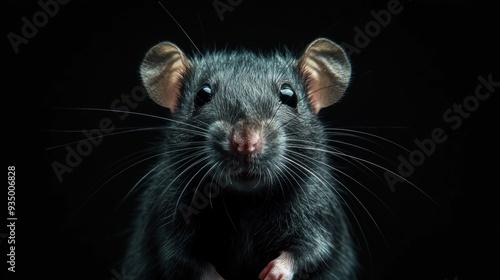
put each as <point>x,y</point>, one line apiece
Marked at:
<point>425,60</point>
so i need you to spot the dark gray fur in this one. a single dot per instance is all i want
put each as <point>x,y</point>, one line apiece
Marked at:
<point>296,207</point>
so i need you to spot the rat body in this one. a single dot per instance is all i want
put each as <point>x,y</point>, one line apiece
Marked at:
<point>243,189</point>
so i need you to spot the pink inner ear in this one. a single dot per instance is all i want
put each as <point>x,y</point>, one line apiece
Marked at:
<point>327,70</point>
<point>171,85</point>
<point>314,91</point>
<point>314,96</point>
<point>172,92</point>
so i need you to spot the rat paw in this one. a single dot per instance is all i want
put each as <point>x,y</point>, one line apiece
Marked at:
<point>280,268</point>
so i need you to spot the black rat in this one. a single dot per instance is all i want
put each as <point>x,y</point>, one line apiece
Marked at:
<point>244,188</point>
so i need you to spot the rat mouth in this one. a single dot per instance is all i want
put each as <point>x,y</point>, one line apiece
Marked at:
<point>241,174</point>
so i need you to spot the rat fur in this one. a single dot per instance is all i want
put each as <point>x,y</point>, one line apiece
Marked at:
<point>243,188</point>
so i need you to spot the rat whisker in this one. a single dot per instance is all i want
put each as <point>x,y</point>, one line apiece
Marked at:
<point>241,134</point>
<point>358,147</point>
<point>331,187</point>
<point>339,154</point>
<point>204,159</point>
<point>172,120</point>
<point>188,160</point>
<point>125,167</point>
<point>352,133</point>
<point>293,174</point>
<point>282,168</point>
<point>184,151</point>
<point>168,218</point>
<point>219,175</point>
<point>146,177</point>
<point>102,185</point>
<point>307,171</point>
<point>279,183</point>
<point>352,161</point>
<point>337,170</point>
<point>318,162</point>
<point>202,180</point>
<point>112,111</point>
<point>131,129</point>
<point>97,137</point>
<point>185,33</point>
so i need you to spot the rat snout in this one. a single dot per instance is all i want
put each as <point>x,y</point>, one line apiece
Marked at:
<point>246,139</point>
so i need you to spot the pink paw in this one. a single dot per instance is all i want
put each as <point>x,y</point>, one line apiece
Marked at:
<point>280,268</point>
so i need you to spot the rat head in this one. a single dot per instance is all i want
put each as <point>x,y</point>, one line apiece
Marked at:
<point>247,120</point>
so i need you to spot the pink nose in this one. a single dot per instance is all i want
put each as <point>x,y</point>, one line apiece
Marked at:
<point>246,141</point>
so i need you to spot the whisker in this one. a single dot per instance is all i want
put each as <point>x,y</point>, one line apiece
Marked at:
<point>154,169</point>
<point>166,189</point>
<point>202,180</point>
<point>139,182</point>
<point>317,162</point>
<point>339,154</point>
<point>358,147</point>
<point>199,161</point>
<point>326,184</point>
<point>351,132</point>
<point>294,176</point>
<point>219,174</point>
<point>187,160</point>
<point>185,33</point>
<point>92,195</point>
<point>311,173</point>
<point>352,161</point>
<point>101,135</point>
<point>132,113</point>
<point>111,111</point>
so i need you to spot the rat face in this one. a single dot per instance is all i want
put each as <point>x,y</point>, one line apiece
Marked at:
<point>253,109</point>
<point>246,118</point>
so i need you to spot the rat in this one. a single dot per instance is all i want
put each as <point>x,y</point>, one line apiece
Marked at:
<point>243,188</point>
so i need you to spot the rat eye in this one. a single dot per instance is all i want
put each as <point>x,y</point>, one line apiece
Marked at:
<point>288,96</point>
<point>203,96</point>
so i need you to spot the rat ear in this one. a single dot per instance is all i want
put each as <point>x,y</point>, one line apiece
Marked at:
<point>162,71</point>
<point>327,69</point>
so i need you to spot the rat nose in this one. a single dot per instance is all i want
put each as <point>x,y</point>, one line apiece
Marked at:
<point>246,141</point>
